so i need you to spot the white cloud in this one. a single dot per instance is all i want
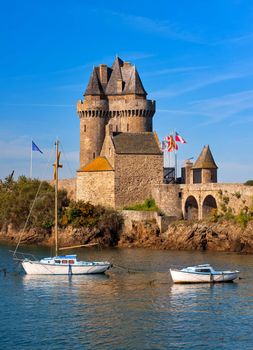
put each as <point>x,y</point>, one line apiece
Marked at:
<point>193,85</point>
<point>174,70</point>
<point>222,107</point>
<point>155,26</point>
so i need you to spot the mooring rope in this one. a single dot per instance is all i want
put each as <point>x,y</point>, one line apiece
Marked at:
<point>128,269</point>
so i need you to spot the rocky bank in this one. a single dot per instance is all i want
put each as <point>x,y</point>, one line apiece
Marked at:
<point>224,236</point>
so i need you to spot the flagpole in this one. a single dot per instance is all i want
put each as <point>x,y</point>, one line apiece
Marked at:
<point>31,162</point>
<point>175,155</point>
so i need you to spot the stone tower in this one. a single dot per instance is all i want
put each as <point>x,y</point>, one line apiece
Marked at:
<point>114,98</point>
<point>205,168</point>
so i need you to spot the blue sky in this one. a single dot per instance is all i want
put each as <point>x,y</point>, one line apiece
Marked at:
<point>195,59</point>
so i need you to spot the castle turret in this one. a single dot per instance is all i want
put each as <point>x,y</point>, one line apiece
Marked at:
<point>92,113</point>
<point>114,96</point>
<point>205,168</point>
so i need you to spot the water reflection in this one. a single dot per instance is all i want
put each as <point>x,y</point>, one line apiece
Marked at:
<point>199,288</point>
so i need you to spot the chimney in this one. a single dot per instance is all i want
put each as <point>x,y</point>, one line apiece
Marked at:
<point>187,178</point>
<point>103,73</point>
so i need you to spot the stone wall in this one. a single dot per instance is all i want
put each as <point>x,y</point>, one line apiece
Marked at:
<point>172,198</point>
<point>237,196</point>
<point>67,184</point>
<point>168,199</point>
<point>134,176</point>
<point>131,216</point>
<point>96,187</point>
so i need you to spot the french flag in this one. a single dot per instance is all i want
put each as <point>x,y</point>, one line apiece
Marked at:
<point>179,138</point>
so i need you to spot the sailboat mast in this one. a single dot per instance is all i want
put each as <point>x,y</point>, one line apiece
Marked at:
<point>56,196</point>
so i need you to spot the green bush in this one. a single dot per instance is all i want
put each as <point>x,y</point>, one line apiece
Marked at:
<point>84,214</point>
<point>249,183</point>
<point>147,205</point>
<point>17,198</point>
<point>225,199</point>
<point>237,194</point>
<point>244,217</point>
<point>79,214</point>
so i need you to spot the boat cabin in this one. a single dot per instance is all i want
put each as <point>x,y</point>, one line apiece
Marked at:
<point>60,260</point>
<point>206,268</point>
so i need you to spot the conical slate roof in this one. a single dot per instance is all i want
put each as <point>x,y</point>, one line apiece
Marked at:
<point>94,86</point>
<point>120,71</point>
<point>205,160</point>
<point>115,76</point>
<point>134,85</point>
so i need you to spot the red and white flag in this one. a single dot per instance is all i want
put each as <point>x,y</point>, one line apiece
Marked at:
<point>172,146</point>
<point>179,138</point>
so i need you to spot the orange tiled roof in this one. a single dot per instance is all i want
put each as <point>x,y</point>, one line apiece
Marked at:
<point>98,164</point>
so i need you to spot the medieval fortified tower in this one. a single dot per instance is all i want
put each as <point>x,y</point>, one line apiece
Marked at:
<point>121,162</point>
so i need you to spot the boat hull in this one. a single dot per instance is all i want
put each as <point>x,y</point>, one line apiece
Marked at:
<point>189,277</point>
<point>38,268</point>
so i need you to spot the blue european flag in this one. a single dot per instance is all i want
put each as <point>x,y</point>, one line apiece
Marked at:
<point>35,147</point>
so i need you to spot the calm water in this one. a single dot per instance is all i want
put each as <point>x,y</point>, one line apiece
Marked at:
<point>126,309</point>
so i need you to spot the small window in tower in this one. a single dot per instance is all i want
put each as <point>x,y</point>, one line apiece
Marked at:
<point>94,155</point>
<point>127,127</point>
<point>84,128</point>
<point>110,151</point>
<point>117,129</point>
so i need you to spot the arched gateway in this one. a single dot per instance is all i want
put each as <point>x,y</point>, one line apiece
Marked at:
<point>209,206</point>
<point>191,208</point>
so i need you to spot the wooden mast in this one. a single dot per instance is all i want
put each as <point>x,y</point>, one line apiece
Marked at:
<point>56,196</point>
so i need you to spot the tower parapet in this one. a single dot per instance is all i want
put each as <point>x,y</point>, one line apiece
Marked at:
<point>116,97</point>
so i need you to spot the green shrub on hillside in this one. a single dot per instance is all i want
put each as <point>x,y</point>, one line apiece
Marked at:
<point>17,198</point>
<point>84,214</point>
<point>79,214</point>
<point>249,183</point>
<point>147,205</point>
<point>244,217</point>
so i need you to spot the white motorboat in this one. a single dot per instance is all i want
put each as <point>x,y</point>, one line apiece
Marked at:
<point>59,265</point>
<point>202,274</point>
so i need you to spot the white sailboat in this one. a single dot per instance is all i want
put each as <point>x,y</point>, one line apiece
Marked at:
<point>59,264</point>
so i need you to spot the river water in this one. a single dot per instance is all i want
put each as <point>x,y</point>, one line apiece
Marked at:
<point>133,308</point>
